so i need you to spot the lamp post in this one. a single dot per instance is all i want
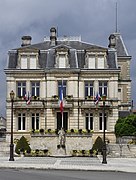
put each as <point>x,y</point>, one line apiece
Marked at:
<point>104,161</point>
<point>11,141</point>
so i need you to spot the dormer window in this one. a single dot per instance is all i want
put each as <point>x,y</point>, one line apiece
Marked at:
<point>28,62</point>
<point>62,59</point>
<point>95,61</point>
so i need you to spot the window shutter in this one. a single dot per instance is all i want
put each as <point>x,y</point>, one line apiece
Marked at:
<point>91,62</point>
<point>32,62</point>
<point>23,62</point>
<point>100,62</point>
<point>62,61</point>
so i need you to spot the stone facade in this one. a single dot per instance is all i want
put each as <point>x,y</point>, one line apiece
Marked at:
<point>37,72</point>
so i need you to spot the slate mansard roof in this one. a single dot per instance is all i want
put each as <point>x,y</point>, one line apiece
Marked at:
<point>76,52</point>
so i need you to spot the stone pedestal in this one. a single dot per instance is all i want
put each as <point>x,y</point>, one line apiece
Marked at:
<point>61,152</point>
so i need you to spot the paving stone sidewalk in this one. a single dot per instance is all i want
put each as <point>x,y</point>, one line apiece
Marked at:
<point>71,163</point>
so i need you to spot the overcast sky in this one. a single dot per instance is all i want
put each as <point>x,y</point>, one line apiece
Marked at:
<point>94,20</point>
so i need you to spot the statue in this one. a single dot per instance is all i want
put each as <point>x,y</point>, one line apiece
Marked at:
<point>61,134</point>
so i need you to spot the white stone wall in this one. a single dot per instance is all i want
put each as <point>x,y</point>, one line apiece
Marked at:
<point>50,142</point>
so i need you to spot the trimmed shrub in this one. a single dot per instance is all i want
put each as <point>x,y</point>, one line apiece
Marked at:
<point>22,145</point>
<point>72,130</point>
<point>98,145</point>
<point>41,131</point>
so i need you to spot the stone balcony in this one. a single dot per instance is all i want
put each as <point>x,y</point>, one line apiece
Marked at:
<point>33,104</point>
<point>90,103</point>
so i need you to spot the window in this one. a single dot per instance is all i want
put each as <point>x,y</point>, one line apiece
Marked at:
<point>89,121</point>
<point>100,63</point>
<point>91,62</point>
<point>28,62</point>
<point>35,88</point>
<point>60,84</point>
<point>103,88</point>
<point>101,121</point>
<point>23,62</point>
<point>88,89</point>
<point>21,89</point>
<point>95,61</point>
<point>21,121</point>
<point>62,61</point>
<point>35,121</point>
<point>32,62</point>
<point>62,58</point>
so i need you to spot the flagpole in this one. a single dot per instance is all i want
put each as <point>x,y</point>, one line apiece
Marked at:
<point>62,119</point>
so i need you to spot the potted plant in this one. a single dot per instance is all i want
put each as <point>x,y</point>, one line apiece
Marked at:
<point>42,131</point>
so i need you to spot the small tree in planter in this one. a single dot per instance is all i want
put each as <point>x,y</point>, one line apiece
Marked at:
<point>98,145</point>
<point>22,146</point>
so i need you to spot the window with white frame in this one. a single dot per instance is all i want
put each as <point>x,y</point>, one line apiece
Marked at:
<point>32,62</point>
<point>89,121</point>
<point>91,62</point>
<point>103,88</point>
<point>89,88</point>
<point>28,62</point>
<point>21,121</point>
<point>21,89</point>
<point>102,121</point>
<point>62,61</point>
<point>95,62</point>
<point>35,120</point>
<point>100,62</point>
<point>24,62</point>
<point>35,88</point>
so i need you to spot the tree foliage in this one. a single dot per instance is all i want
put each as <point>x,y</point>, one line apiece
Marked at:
<point>126,126</point>
<point>22,145</point>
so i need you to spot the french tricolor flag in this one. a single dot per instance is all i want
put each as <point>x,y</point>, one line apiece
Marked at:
<point>61,99</point>
<point>97,98</point>
<point>27,98</point>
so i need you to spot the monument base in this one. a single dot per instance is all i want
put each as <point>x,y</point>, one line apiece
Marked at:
<point>61,153</point>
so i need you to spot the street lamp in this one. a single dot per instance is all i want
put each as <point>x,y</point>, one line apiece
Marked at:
<point>11,141</point>
<point>104,127</point>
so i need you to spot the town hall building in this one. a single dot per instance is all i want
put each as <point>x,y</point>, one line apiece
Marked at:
<point>87,72</point>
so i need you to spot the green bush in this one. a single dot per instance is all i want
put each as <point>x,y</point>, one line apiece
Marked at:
<point>126,126</point>
<point>98,145</point>
<point>22,146</point>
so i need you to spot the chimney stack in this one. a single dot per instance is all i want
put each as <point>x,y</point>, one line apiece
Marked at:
<point>26,40</point>
<point>53,37</point>
<point>112,41</point>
